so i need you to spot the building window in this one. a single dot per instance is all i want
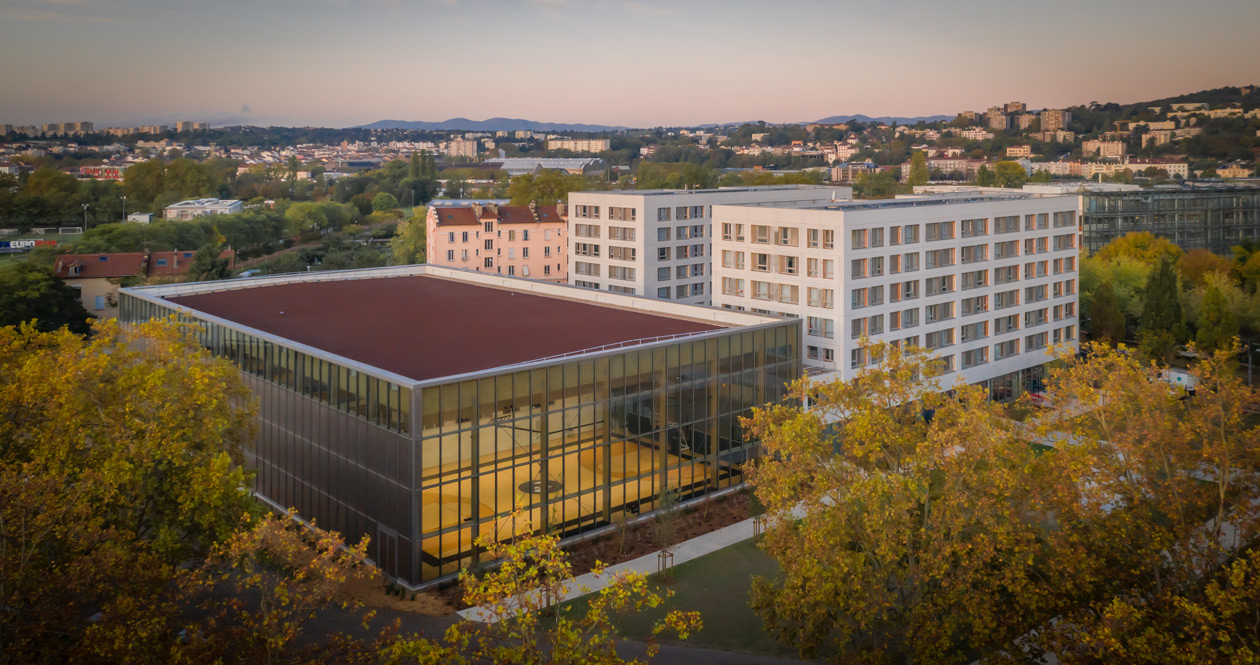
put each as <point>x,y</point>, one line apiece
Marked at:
<point>450,255</point>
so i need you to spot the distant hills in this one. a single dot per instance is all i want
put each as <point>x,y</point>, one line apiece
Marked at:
<point>886,119</point>
<point>517,124</point>
<point>490,125</point>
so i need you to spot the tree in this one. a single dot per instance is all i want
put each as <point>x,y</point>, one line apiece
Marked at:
<point>918,169</point>
<point>985,177</point>
<point>899,537</point>
<point>1217,325</point>
<point>409,242</point>
<point>32,294</point>
<point>1143,246</point>
<point>514,598</point>
<point>416,168</point>
<point>1196,264</point>
<point>121,458</point>
<point>455,187</point>
<point>1161,309</point>
<point>1009,174</point>
<point>1041,177</point>
<point>384,202</point>
<point>1159,482</point>
<point>1106,320</point>
<point>208,264</point>
<point>306,217</point>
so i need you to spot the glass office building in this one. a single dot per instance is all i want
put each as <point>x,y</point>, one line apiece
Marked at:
<point>1214,217</point>
<point>418,405</point>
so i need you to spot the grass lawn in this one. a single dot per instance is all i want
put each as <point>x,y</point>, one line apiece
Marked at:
<point>716,585</point>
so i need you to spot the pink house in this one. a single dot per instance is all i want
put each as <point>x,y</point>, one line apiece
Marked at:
<point>518,241</point>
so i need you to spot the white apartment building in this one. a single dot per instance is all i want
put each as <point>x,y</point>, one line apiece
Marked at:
<point>579,145</point>
<point>198,207</point>
<point>987,281</point>
<point>657,242</point>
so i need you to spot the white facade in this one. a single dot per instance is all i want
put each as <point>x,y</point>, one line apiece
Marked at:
<point>989,282</point>
<point>657,243</point>
<point>198,207</point>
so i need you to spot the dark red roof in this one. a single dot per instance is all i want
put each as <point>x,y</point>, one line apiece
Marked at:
<point>549,214</point>
<point>456,217</point>
<point>99,266</point>
<point>516,215</point>
<point>425,327</point>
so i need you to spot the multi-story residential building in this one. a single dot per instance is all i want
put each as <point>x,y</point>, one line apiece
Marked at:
<point>191,126</point>
<point>987,281</point>
<point>657,242</point>
<point>462,148</point>
<point>1057,136</point>
<point>579,145</point>
<point>1157,137</point>
<point>947,165</point>
<point>1235,171</point>
<point>1016,107</point>
<point>1055,119</point>
<point>1058,168</point>
<point>1025,120</point>
<point>1019,151</point>
<point>1136,167</point>
<point>976,134</point>
<point>996,118</point>
<point>850,172</point>
<point>1102,148</point>
<point>198,207</point>
<point>517,241</point>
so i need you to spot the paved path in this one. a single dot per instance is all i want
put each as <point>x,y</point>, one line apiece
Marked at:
<point>685,551</point>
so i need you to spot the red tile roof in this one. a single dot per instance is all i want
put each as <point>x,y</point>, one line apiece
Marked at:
<point>549,215</point>
<point>516,215</point>
<point>130,264</point>
<point>457,217</point>
<point>99,266</point>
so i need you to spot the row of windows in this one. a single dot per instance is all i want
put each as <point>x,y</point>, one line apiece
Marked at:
<point>681,272</point>
<point>896,235</point>
<point>466,236</point>
<point>869,326</point>
<point>861,357</point>
<point>681,291</point>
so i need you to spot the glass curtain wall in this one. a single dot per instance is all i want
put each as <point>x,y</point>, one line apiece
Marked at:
<point>590,442</point>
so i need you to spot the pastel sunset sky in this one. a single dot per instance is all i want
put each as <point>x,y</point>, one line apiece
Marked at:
<point>636,63</point>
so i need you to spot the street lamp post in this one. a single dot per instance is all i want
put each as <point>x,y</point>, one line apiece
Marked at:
<point>85,209</point>
<point>124,217</point>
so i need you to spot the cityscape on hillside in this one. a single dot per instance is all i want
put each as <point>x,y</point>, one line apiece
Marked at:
<point>294,372</point>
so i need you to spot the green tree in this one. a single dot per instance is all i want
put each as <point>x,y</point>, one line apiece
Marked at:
<point>1106,320</point>
<point>384,202</point>
<point>30,293</point>
<point>409,242</point>
<point>207,264</point>
<point>918,169</point>
<point>1009,174</point>
<point>1217,325</point>
<point>985,177</point>
<point>416,168</point>
<point>1161,308</point>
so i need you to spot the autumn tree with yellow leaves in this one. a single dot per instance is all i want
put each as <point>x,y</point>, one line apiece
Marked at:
<point>912,522</point>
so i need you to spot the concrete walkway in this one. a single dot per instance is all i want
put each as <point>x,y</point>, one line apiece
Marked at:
<point>591,583</point>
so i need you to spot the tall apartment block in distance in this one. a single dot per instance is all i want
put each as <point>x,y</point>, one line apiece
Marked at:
<point>1055,119</point>
<point>579,145</point>
<point>988,282</point>
<point>656,242</point>
<point>516,241</point>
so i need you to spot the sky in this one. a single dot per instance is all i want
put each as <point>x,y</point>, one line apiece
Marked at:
<point>638,63</point>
